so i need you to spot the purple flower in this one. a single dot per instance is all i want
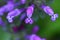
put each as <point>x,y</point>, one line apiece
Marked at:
<point>29,20</point>
<point>9,6</point>
<point>54,17</point>
<point>13,14</point>
<point>48,10</point>
<point>2,10</point>
<point>29,12</point>
<point>35,37</point>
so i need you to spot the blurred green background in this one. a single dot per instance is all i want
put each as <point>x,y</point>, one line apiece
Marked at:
<point>48,29</point>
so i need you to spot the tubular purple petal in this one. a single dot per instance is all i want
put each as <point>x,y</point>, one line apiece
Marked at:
<point>9,6</point>
<point>13,14</point>
<point>30,11</point>
<point>48,10</point>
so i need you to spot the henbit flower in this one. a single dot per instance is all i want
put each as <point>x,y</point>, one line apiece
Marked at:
<point>13,14</point>
<point>35,37</point>
<point>29,12</point>
<point>48,10</point>
<point>54,17</point>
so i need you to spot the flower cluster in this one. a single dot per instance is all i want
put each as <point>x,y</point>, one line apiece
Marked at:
<point>24,16</point>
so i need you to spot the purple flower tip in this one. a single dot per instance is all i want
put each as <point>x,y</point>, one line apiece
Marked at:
<point>54,17</point>
<point>48,10</point>
<point>29,20</point>
<point>13,14</point>
<point>30,10</point>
